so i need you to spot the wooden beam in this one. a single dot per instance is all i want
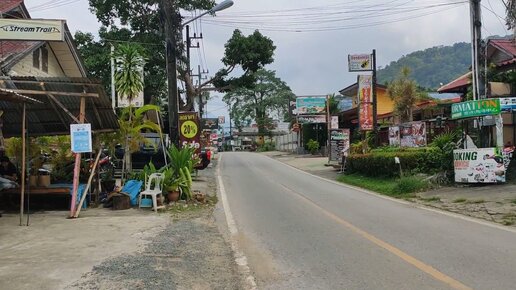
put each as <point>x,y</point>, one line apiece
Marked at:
<point>22,189</point>
<point>76,171</point>
<point>72,94</point>
<point>65,109</point>
<point>53,82</point>
<point>97,114</point>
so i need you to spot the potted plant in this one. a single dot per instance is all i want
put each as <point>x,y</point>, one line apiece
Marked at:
<point>172,185</point>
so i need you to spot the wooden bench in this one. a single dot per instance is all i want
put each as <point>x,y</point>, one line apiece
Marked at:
<point>39,190</point>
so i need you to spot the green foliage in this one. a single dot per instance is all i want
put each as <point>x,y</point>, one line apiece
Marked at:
<point>378,163</point>
<point>408,185</point>
<point>333,104</point>
<point>432,66</point>
<point>143,174</point>
<point>180,158</point>
<point>129,62</point>
<point>313,146</point>
<point>404,92</point>
<point>446,142</point>
<point>404,187</point>
<point>178,171</point>
<point>267,146</point>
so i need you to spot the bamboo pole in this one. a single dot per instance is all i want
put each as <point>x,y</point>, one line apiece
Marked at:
<point>77,167</point>
<point>83,197</point>
<point>22,188</point>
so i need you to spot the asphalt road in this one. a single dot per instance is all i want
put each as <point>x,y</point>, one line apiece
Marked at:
<point>301,232</point>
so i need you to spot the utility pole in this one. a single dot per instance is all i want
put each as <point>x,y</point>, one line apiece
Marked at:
<point>171,21</point>
<point>477,55</point>
<point>375,101</point>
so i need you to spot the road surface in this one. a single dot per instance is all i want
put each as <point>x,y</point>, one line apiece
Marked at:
<point>301,232</point>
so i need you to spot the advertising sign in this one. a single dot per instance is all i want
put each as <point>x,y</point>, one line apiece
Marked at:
<point>31,29</point>
<point>360,62</point>
<point>222,119</point>
<point>476,108</point>
<point>365,89</point>
<point>334,122</point>
<point>339,143</point>
<point>413,134</point>
<point>365,112</point>
<point>479,165</point>
<point>314,119</point>
<point>210,123</point>
<point>310,105</point>
<point>508,104</point>
<point>366,116</point>
<point>81,138</point>
<point>394,136</point>
<point>189,133</point>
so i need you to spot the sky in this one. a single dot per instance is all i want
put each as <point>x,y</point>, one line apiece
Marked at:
<point>314,37</point>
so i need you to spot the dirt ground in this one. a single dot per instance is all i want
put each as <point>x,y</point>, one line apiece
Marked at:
<point>181,248</point>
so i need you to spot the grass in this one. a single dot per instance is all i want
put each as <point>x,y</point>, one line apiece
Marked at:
<point>513,201</point>
<point>477,201</point>
<point>433,198</point>
<point>404,187</point>
<point>509,219</point>
<point>459,200</point>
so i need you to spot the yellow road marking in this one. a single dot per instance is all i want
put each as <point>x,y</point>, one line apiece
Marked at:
<point>392,249</point>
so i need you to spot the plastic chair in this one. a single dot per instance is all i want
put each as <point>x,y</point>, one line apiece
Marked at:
<point>153,188</point>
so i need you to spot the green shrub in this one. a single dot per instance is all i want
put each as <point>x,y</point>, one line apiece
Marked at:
<point>427,160</point>
<point>267,146</point>
<point>313,146</point>
<point>407,185</point>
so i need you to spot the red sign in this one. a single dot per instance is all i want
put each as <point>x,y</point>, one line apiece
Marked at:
<point>365,112</point>
<point>366,116</point>
<point>189,131</point>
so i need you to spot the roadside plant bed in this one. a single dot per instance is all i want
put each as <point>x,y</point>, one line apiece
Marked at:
<point>404,187</point>
<point>381,162</point>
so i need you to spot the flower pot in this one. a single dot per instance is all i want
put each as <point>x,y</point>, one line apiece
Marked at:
<point>173,195</point>
<point>33,181</point>
<point>44,180</point>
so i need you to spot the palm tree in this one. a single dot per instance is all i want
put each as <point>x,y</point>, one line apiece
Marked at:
<point>129,64</point>
<point>510,6</point>
<point>404,92</point>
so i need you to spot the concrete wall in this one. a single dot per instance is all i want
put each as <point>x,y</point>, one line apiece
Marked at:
<point>385,103</point>
<point>287,143</point>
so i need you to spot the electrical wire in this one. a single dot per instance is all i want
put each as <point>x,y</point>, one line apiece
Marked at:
<point>52,5</point>
<point>497,17</point>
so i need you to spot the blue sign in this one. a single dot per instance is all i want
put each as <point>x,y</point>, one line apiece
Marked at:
<point>81,138</point>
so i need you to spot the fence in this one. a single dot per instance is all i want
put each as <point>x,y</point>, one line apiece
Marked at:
<point>287,142</point>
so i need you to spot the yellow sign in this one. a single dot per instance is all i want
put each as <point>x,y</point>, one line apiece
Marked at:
<point>189,129</point>
<point>31,29</point>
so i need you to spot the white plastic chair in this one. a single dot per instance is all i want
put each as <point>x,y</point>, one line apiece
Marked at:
<point>153,188</point>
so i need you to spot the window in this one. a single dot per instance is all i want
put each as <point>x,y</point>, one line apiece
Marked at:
<point>44,59</point>
<point>35,58</point>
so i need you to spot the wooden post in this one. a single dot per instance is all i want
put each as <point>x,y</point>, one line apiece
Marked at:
<point>83,197</point>
<point>77,168</point>
<point>22,188</point>
<point>328,128</point>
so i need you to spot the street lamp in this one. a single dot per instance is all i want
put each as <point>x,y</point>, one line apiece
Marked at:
<point>171,21</point>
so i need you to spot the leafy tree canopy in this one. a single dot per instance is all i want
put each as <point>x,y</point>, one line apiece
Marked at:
<point>257,101</point>
<point>404,92</point>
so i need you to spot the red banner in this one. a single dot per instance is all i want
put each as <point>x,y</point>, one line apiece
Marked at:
<point>189,131</point>
<point>365,113</point>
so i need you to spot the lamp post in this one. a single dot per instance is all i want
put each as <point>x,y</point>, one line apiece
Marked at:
<point>172,20</point>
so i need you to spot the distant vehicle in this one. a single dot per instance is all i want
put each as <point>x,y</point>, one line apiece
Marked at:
<point>152,150</point>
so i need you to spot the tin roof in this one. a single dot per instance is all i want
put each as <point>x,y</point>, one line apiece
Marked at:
<point>56,96</point>
<point>458,85</point>
<point>8,5</point>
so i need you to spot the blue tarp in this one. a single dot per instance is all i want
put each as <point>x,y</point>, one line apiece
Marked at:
<point>132,187</point>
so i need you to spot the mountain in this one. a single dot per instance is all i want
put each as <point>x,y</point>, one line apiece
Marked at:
<point>432,66</point>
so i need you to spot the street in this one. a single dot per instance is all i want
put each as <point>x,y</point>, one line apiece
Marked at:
<point>301,232</point>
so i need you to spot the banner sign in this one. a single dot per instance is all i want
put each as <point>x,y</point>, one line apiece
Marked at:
<point>365,100</point>
<point>339,143</point>
<point>210,123</point>
<point>310,105</point>
<point>480,165</point>
<point>81,138</point>
<point>360,62</point>
<point>31,29</point>
<point>189,133</point>
<point>413,134</point>
<point>476,108</point>
<point>394,136</point>
<point>334,122</point>
<point>314,119</point>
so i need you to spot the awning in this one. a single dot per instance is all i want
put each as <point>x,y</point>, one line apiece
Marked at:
<point>58,106</point>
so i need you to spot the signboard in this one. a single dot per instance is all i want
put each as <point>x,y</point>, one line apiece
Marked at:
<point>360,62</point>
<point>189,133</point>
<point>81,138</point>
<point>479,165</point>
<point>31,29</point>
<point>394,136</point>
<point>339,143</point>
<point>311,105</point>
<point>365,113</point>
<point>413,134</point>
<point>476,108</point>
<point>222,119</point>
<point>508,104</point>
<point>210,123</point>
<point>314,119</point>
<point>334,122</point>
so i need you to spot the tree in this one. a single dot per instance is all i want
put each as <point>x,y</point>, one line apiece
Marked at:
<point>510,6</point>
<point>404,92</point>
<point>256,101</point>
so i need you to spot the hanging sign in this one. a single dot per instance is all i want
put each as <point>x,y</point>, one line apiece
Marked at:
<point>310,105</point>
<point>360,62</point>
<point>222,119</point>
<point>334,122</point>
<point>189,132</point>
<point>339,140</point>
<point>365,112</point>
<point>81,138</point>
<point>31,29</point>
<point>479,165</point>
<point>476,108</point>
<point>210,123</point>
<point>314,119</point>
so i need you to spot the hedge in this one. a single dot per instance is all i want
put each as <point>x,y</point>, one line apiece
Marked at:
<point>381,163</point>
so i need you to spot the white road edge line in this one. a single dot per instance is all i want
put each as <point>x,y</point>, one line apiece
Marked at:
<point>239,256</point>
<point>434,210</point>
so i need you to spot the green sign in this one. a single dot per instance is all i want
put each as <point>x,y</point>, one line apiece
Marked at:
<point>476,108</point>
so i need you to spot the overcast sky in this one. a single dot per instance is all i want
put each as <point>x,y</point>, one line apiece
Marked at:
<point>314,37</point>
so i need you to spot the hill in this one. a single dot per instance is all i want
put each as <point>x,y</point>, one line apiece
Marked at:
<point>432,66</point>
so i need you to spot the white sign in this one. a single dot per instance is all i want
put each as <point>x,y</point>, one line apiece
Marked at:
<point>31,29</point>
<point>360,62</point>
<point>480,165</point>
<point>334,122</point>
<point>222,119</point>
<point>81,138</point>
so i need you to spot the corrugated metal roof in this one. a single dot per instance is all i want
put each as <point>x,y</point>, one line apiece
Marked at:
<point>8,5</point>
<point>48,118</point>
<point>456,85</point>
